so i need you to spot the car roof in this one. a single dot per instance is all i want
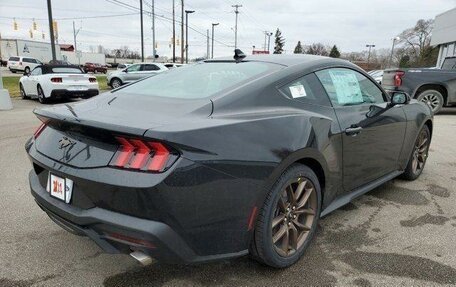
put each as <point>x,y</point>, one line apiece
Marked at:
<point>282,59</point>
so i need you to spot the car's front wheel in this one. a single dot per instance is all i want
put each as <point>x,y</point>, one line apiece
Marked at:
<point>27,70</point>
<point>419,155</point>
<point>115,83</point>
<point>433,99</point>
<point>287,222</point>
<point>41,97</point>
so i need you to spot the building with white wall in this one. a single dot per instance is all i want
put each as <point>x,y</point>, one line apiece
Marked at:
<point>444,35</point>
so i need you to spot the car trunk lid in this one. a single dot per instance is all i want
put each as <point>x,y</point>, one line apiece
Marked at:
<point>83,134</point>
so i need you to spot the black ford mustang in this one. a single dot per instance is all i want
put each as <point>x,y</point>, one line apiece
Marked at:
<point>225,157</point>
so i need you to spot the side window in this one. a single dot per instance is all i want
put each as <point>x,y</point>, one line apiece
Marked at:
<point>347,87</point>
<point>306,89</point>
<point>150,67</point>
<point>134,68</point>
<point>36,71</point>
<point>449,64</point>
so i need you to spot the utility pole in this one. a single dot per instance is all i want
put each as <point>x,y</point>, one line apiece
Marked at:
<point>75,34</point>
<point>370,46</point>
<point>51,30</point>
<point>207,45</point>
<point>265,39</point>
<point>213,25</point>
<point>237,6</point>
<point>174,33</point>
<point>269,40</point>
<point>142,29</point>
<point>153,31</point>
<point>186,33</point>
<point>182,31</point>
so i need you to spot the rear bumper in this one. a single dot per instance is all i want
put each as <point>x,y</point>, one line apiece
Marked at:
<point>113,231</point>
<point>58,93</point>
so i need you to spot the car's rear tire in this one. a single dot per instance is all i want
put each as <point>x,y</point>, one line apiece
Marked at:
<point>23,94</point>
<point>419,155</point>
<point>27,70</point>
<point>432,98</point>
<point>288,219</point>
<point>41,97</point>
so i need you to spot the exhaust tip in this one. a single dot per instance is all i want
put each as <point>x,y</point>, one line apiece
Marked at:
<point>142,258</point>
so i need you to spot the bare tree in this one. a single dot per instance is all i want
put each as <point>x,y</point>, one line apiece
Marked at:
<point>317,49</point>
<point>416,40</point>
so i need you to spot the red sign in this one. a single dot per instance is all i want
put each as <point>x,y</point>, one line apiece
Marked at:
<point>257,52</point>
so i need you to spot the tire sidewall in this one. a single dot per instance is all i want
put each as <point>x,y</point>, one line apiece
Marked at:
<point>27,70</point>
<point>409,174</point>
<point>23,94</point>
<point>41,97</point>
<point>294,171</point>
<point>435,92</point>
<point>115,80</point>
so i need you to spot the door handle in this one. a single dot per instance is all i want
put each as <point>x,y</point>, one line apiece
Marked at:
<point>353,131</point>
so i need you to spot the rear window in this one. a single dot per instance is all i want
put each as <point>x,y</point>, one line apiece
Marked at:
<point>449,64</point>
<point>66,70</point>
<point>200,80</point>
<point>16,59</point>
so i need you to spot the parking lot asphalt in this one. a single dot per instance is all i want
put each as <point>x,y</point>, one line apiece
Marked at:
<point>402,233</point>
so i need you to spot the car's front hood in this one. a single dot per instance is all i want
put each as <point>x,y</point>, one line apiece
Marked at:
<point>127,113</point>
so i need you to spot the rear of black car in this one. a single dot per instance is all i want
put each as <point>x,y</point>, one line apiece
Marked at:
<point>126,170</point>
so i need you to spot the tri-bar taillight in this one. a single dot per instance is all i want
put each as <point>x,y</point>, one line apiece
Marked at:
<point>141,155</point>
<point>398,78</point>
<point>56,80</point>
<point>93,80</point>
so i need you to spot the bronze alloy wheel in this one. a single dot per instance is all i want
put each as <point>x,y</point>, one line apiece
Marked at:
<point>420,152</point>
<point>293,216</point>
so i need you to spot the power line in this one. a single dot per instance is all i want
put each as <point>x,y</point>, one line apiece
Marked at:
<point>71,18</point>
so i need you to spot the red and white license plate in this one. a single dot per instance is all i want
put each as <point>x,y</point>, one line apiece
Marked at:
<point>59,187</point>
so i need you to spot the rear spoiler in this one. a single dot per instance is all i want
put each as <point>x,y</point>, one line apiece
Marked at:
<point>65,116</point>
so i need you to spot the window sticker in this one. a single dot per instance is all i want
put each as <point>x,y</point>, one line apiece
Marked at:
<point>297,91</point>
<point>347,87</point>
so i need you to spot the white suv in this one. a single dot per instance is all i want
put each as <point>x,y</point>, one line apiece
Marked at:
<point>22,64</point>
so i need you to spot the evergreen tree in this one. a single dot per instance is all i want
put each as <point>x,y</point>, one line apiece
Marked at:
<point>298,49</point>
<point>279,42</point>
<point>334,52</point>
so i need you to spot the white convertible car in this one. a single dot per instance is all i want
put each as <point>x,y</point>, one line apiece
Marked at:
<point>47,82</point>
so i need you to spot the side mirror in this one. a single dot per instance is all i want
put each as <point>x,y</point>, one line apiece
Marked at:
<point>125,70</point>
<point>399,98</point>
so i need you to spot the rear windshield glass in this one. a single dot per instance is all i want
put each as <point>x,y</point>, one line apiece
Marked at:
<point>200,80</point>
<point>449,64</point>
<point>14,58</point>
<point>66,70</point>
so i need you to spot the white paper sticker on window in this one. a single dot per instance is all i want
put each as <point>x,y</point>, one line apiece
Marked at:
<point>297,91</point>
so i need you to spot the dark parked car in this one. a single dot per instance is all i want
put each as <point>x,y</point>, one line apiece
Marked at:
<point>225,157</point>
<point>95,68</point>
<point>436,87</point>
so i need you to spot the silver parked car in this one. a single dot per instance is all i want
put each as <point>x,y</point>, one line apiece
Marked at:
<point>133,73</point>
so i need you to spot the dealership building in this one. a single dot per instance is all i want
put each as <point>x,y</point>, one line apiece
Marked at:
<point>444,35</point>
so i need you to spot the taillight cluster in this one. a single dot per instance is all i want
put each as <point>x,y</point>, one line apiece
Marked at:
<point>398,78</point>
<point>92,80</point>
<point>138,154</point>
<point>56,80</point>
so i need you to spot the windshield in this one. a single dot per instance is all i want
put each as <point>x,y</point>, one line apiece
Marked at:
<point>200,80</point>
<point>66,70</point>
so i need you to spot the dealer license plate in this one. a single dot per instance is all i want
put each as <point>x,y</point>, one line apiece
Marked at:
<point>59,187</point>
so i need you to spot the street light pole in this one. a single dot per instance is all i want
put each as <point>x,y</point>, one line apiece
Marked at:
<point>186,33</point>
<point>213,25</point>
<point>142,29</point>
<point>51,30</point>
<point>269,40</point>
<point>392,51</point>
<point>370,46</point>
<point>153,31</point>
<point>174,32</point>
<point>75,34</point>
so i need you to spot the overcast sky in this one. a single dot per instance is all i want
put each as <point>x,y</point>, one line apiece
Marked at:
<point>350,24</point>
